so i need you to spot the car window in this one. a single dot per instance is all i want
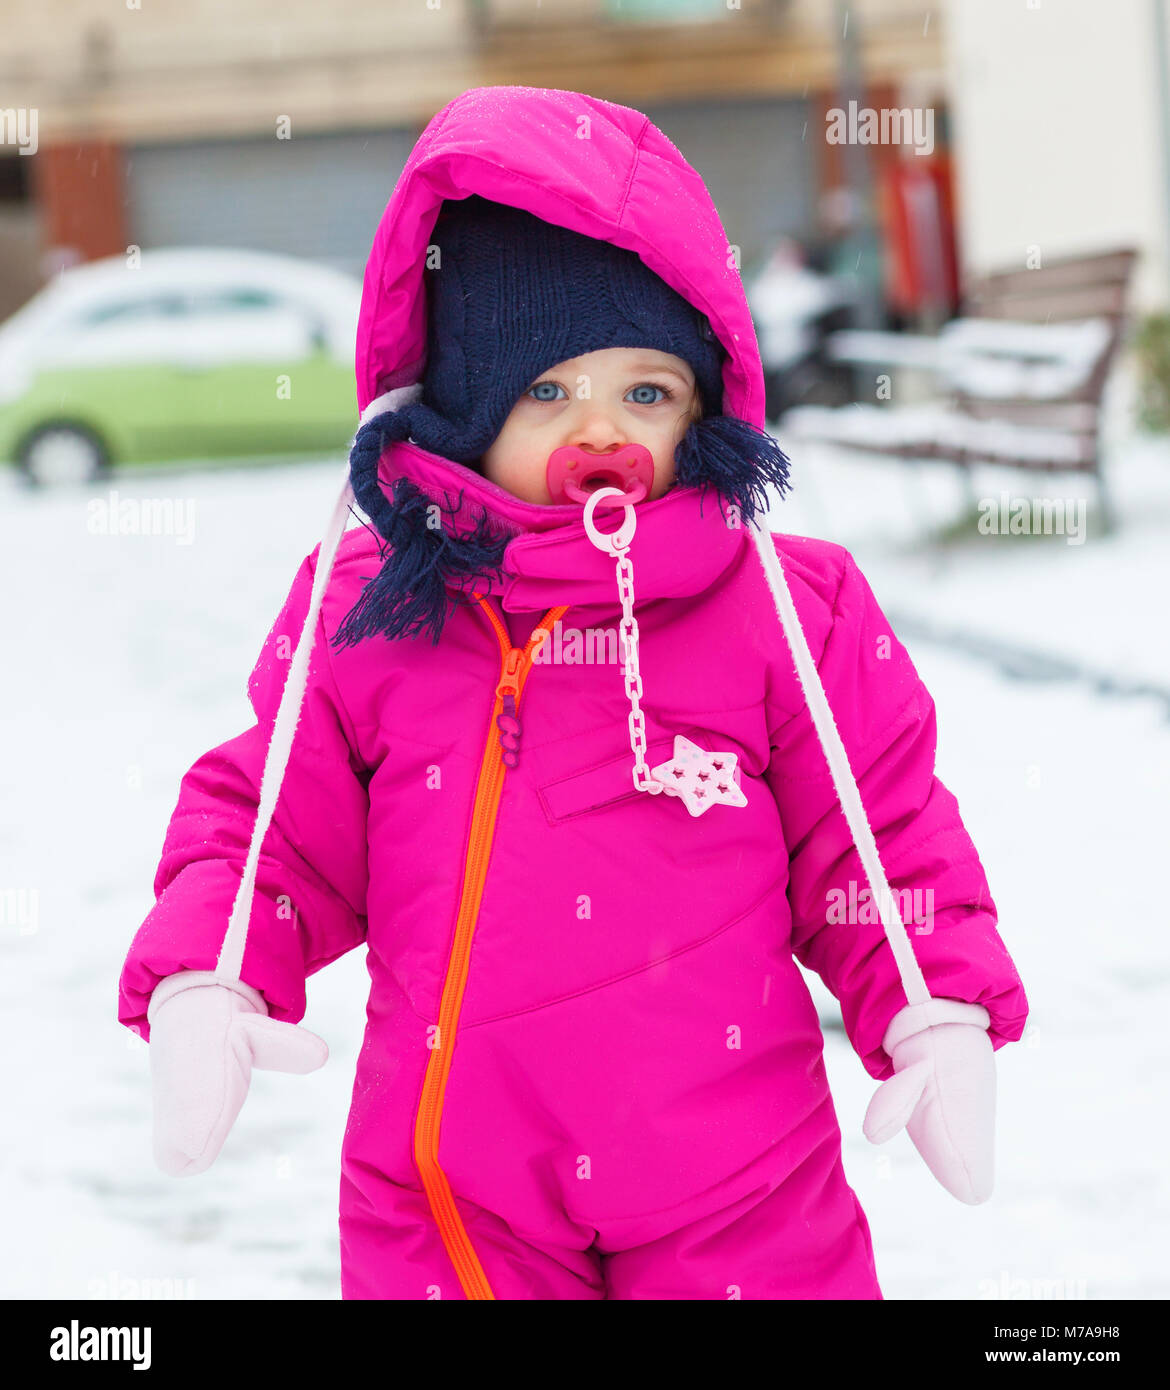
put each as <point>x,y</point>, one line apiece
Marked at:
<point>130,310</point>
<point>229,301</point>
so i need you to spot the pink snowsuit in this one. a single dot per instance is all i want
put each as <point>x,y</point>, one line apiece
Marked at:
<point>591,1067</point>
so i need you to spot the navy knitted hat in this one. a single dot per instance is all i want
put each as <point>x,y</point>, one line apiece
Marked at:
<point>509,297</point>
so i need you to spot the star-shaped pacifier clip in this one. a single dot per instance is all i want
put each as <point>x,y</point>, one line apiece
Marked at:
<point>700,779</point>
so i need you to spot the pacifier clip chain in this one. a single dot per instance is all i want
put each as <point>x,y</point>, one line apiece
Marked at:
<point>698,778</point>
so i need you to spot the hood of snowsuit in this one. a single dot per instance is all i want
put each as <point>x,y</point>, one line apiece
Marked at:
<point>594,167</point>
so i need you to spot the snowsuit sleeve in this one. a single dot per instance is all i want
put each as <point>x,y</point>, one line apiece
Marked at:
<point>886,719</point>
<point>310,901</point>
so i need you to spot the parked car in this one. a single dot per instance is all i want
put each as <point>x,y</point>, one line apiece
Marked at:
<point>194,353</point>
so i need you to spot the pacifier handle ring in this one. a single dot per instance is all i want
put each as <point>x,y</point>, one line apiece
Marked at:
<point>611,543</point>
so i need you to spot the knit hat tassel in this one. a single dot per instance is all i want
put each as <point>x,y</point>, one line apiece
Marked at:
<point>409,595</point>
<point>738,460</point>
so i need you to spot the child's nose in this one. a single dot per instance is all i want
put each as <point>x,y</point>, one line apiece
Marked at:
<point>598,431</point>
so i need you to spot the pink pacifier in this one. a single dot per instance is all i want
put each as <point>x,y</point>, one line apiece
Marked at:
<point>574,474</point>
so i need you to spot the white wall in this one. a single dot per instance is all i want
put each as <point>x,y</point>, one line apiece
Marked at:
<point>1056,128</point>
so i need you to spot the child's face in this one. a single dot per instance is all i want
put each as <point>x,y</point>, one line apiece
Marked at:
<point>635,396</point>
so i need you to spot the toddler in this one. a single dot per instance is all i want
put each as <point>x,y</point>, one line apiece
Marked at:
<point>585,757</point>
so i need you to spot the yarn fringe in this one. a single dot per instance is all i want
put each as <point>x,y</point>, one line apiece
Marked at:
<point>410,593</point>
<point>742,464</point>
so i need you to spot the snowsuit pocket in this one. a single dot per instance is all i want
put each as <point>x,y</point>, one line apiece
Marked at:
<point>604,783</point>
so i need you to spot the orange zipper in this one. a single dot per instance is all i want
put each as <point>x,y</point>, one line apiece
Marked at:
<point>514,669</point>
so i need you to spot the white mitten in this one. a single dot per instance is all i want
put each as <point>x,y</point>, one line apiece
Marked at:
<point>206,1034</point>
<point>943,1092</point>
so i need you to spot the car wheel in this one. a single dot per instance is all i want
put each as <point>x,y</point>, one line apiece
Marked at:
<point>62,455</point>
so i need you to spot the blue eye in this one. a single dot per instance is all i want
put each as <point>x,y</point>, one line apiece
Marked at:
<point>663,393</point>
<point>539,385</point>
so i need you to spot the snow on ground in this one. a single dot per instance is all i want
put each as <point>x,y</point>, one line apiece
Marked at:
<point>129,657</point>
<point>1064,792</point>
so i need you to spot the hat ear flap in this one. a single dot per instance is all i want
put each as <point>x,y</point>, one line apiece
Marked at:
<point>409,595</point>
<point>369,444</point>
<point>738,460</point>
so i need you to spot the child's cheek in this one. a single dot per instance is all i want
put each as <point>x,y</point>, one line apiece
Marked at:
<point>522,468</point>
<point>664,470</point>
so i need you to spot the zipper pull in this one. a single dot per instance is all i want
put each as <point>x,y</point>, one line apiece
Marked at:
<point>508,721</point>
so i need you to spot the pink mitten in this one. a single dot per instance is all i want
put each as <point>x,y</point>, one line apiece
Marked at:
<point>206,1034</point>
<point>943,1092</point>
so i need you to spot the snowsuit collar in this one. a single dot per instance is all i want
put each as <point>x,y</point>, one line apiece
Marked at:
<point>683,542</point>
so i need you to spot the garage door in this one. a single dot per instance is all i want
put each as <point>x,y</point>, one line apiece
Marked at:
<point>755,159</point>
<point>320,196</point>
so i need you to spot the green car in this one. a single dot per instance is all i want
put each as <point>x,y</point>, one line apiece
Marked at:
<point>185,354</point>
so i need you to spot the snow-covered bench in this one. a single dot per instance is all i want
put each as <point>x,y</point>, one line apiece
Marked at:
<point>1021,376</point>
